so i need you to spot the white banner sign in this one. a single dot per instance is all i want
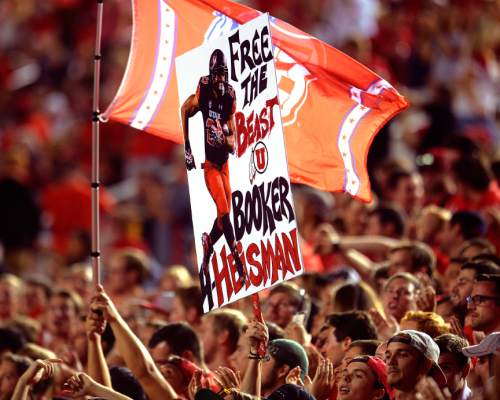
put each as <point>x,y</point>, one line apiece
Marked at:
<point>243,215</point>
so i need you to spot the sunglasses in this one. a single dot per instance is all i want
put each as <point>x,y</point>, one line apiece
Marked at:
<point>479,299</point>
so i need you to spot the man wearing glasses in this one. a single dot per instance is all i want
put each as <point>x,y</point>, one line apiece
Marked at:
<point>484,303</point>
<point>285,301</point>
<point>462,287</point>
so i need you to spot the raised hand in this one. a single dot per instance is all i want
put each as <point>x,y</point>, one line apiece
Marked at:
<point>456,327</point>
<point>227,378</point>
<point>197,382</point>
<point>95,324</point>
<point>79,385</point>
<point>428,389</point>
<point>426,297</point>
<point>70,357</point>
<point>386,327</point>
<point>293,377</point>
<point>40,370</point>
<point>324,380</point>
<point>326,239</point>
<point>297,332</point>
<point>101,303</point>
<point>256,333</point>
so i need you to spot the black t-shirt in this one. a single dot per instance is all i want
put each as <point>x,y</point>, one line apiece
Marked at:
<point>287,391</point>
<point>290,392</point>
<point>216,112</point>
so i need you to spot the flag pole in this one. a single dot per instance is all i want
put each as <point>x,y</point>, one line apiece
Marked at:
<point>95,251</point>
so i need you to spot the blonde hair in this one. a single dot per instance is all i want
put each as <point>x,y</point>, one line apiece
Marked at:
<point>84,268</point>
<point>429,322</point>
<point>13,281</point>
<point>441,213</point>
<point>180,274</point>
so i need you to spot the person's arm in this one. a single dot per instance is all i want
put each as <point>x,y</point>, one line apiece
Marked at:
<point>361,263</point>
<point>133,351</point>
<point>97,367</point>
<point>81,384</point>
<point>328,241</point>
<point>39,370</point>
<point>252,381</point>
<point>368,244</point>
<point>188,109</point>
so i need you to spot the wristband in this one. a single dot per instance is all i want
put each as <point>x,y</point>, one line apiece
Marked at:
<point>254,356</point>
<point>257,356</point>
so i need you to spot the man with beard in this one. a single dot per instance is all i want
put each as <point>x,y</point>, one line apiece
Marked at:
<point>484,304</point>
<point>264,375</point>
<point>462,287</point>
<point>285,355</point>
<point>410,357</point>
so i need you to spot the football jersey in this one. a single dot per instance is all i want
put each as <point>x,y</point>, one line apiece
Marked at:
<point>216,112</point>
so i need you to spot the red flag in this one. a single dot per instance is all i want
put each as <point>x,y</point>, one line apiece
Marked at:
<point>331,105</point>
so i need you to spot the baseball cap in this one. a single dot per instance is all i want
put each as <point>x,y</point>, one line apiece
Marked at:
<point>423,343</point>
<point>489,345</point>
<point>379,368</point>
<point>289,352</point>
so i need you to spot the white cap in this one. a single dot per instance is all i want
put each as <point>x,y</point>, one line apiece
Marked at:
<point>489,345</point>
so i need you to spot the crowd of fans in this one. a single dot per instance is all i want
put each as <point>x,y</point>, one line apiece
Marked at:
<point>400,299</point>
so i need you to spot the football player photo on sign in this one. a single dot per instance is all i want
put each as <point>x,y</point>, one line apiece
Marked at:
<point>216,100</point>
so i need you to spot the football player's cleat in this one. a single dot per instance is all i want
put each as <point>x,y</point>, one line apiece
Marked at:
<point>207,251</point>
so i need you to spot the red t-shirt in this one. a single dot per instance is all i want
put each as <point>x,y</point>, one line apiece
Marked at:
<point>490,198</point>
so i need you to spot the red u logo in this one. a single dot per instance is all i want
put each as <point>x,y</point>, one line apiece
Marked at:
<point>260,155</point>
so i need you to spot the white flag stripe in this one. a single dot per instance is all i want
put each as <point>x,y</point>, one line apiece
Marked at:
<point>349,125</point>
<point>163,68</point>
<point>347,130</point>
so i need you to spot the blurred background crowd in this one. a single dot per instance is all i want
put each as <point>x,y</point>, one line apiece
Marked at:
<point>435,172</point>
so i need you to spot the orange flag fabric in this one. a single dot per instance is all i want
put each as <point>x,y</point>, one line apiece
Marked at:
<point>331,106</point>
